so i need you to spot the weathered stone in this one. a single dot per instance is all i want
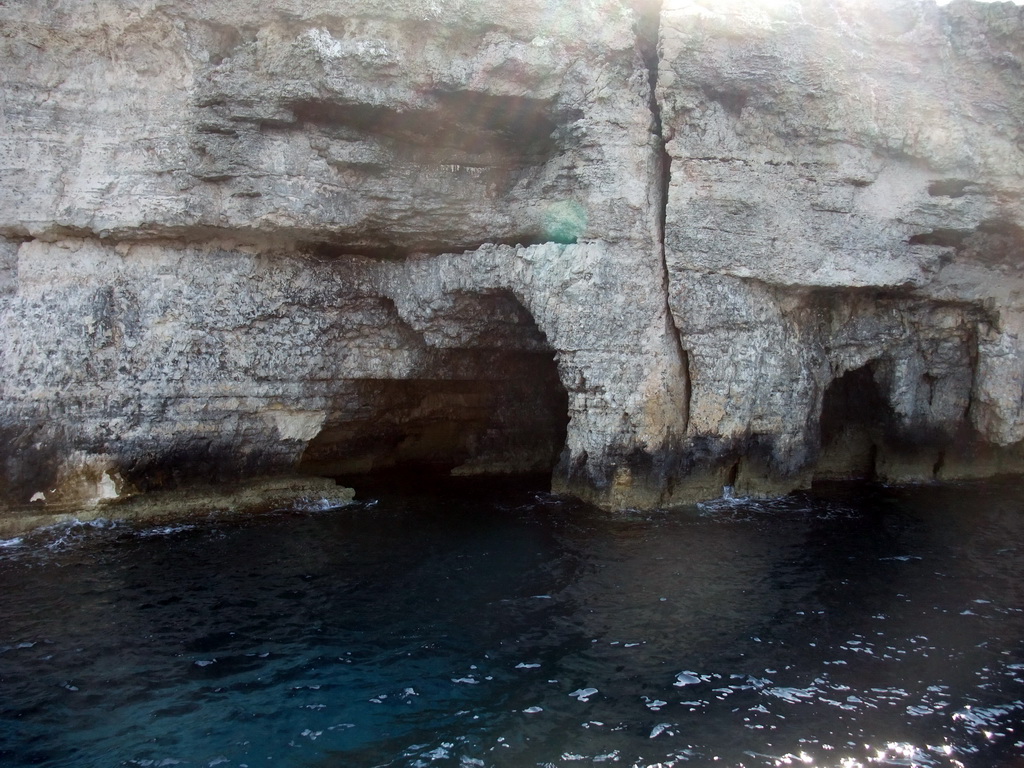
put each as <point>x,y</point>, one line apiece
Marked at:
<point>652,251</point>
<point>846,194</point>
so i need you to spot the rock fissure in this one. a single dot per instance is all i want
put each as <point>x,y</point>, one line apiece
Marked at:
<point>648,30</point>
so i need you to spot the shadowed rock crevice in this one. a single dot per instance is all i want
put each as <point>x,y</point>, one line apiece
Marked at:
<point>382,246</point>
<point>944,238</point>
<point>993,242</point>
<point>470,129</point>
<point>953,188</point>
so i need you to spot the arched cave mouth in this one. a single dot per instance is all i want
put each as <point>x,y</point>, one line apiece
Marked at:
<point>855,420</point>
<point>489,403</point>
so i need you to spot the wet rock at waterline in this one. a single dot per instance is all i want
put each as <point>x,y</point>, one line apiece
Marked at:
<point>115,501</point>
<point>652,250</point>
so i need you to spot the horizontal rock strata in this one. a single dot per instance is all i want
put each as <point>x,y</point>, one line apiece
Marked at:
<point>650,250</point>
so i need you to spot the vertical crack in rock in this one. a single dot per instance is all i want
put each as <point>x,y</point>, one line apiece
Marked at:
<point>648,32</point>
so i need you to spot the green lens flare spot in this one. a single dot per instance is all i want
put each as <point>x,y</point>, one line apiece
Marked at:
<point>565,221</point>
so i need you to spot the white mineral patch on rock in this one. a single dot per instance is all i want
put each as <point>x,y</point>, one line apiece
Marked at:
<point>297,425</point>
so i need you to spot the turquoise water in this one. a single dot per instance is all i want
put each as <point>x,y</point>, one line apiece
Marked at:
<point>870,626</point>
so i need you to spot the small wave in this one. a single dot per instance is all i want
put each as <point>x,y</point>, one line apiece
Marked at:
<point>72,533</point>
<point>731,508</point>
<point>321,504</point>
<point>659,729</point>
<point>693,678</point>
<point>986,718</point>
<point>727,501</point>
<point>792,695</point>
<point>165,530</point>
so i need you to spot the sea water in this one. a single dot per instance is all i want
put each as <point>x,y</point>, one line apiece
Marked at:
<point>871,626</point>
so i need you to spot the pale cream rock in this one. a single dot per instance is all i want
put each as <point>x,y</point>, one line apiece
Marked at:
<point>244,238</point>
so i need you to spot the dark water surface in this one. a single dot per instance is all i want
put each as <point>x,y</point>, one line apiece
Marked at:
<point>871,627</point>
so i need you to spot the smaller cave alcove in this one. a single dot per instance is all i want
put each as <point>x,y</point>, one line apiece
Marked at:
<point>855,420</point>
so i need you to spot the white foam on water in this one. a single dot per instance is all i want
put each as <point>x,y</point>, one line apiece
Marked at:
<point>167,530</point>
<point>323,504</point>
<point>583,694</point>
<point>71,533</point>
<point>524,665</point>
<point>982,718</point>
<point>792,695</point>
<point>687,678</point>
<point>655,705</point>
<point>659,729</point>
<point>533,710</point>
<point>439,753</point>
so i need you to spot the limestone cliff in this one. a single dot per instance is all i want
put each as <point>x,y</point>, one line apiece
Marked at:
<point>653,250</point>
<point>844,238</point>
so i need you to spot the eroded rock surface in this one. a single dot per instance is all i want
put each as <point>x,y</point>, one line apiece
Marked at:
<point>651,250</point>
<point>844,218</point>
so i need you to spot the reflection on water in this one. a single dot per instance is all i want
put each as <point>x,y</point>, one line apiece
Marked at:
<point>868,627</point>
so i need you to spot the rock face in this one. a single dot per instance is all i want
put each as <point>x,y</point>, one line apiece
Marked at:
<point>653,251</point>
<point>843,236</point>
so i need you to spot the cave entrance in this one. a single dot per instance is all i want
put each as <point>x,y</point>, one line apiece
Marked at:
<point>487,403</point>
<point>855,418</point>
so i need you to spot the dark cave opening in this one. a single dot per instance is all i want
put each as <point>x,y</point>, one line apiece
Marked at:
<point>855,419</point>
<point>492,405</point>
